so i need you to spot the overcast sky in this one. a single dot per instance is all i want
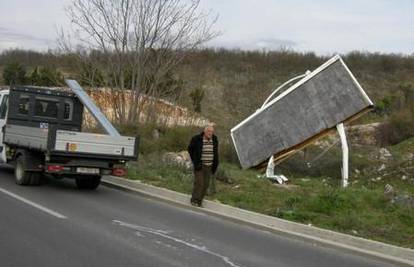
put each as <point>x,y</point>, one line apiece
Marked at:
<point>322,26</point>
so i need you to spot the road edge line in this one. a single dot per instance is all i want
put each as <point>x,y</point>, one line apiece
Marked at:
<point>33,204</point>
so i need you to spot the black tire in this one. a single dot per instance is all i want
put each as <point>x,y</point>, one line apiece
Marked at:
<point>22,177</point>
<point>88,182</point>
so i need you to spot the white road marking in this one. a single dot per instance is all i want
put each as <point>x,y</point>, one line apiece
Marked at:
<point>31,203</point>
<point>164,234</point>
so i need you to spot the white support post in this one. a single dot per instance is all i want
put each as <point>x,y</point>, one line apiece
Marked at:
<point>270,172</point>
<point>345,154</point>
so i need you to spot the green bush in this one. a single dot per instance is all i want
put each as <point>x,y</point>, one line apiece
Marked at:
<point>383,106</point>
<point>155,138</point>
<point>227,152</point>
<point>45,76</point>
<point>400,125</point>
<point>14,74</point>
<point>331,201</point>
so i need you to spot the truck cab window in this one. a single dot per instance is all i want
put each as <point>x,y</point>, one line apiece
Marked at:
<point>3,107</point>
<point>46,108</point>
<point>67,111</point>
<point>24,104</point>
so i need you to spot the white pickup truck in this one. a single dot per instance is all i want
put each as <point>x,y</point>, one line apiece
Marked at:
<point>41,133</point>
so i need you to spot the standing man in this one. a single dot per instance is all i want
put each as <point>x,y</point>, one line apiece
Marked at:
<point>203,150</point>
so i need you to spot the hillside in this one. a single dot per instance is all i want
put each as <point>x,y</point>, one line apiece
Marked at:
<point>244,79</point>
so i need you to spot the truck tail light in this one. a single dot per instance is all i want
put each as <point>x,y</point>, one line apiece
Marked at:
<point>119,172</point>
<point>54,168</point>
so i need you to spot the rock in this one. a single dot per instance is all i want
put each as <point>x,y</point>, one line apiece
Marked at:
<point>404,177</point>
<point>404,200</point>
<point>409,156</point>
<point>362,135</point>
<point>181,158</point>
<point>376,179</point>
<point>384,154</point>
<point>389,189</point>
<point>222,176</point>
<point>365,134</point>
<point>354,232</point>
<point>382,167</point>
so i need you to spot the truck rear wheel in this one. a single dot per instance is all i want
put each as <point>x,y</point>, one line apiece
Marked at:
<point>88,183</point>
<point>24,177</point>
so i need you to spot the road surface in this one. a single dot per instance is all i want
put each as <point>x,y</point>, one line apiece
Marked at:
<point>55,224</point>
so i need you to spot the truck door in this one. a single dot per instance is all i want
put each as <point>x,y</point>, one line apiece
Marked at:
<point>4,102</point>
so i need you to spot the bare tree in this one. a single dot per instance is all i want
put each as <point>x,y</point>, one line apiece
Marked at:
<point>136,44</point>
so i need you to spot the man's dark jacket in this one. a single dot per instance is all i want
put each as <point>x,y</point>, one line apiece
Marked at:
<point>196,148</point>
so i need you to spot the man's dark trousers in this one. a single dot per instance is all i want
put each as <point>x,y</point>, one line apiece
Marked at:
<point>201,183</point>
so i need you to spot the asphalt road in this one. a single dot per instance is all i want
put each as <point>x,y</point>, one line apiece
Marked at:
<point>55,224</point>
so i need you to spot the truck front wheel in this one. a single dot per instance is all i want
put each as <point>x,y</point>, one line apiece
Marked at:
<point>88,182</point>
<point>24,177</point>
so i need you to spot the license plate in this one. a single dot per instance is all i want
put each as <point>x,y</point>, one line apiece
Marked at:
<point>87,170</point>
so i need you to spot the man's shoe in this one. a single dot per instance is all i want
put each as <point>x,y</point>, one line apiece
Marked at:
<point>196,204</point>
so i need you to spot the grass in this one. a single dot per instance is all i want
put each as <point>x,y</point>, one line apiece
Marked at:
<point>401,150</point>
<point>362,209</point>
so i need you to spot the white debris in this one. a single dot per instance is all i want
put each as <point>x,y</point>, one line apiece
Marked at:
<point>389,189</point>
<point>355,232</point>
<point>384,154</point>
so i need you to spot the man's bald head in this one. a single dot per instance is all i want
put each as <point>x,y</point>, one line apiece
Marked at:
<point>209,131</point>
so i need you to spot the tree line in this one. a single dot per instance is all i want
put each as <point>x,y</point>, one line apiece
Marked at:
<point>18,74</point>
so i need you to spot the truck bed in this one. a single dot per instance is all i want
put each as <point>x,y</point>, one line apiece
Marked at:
<point>80,143</point>
<point>27,137</point>
<point>71,143</point>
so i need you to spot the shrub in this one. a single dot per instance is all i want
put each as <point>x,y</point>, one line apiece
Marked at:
<point>331,201</point>
<point>167,139</point>
<point>46,76</point>
<point>383,106</point>
<point>14,74</point>
<point>400,126</point>
<point>227,152</point>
